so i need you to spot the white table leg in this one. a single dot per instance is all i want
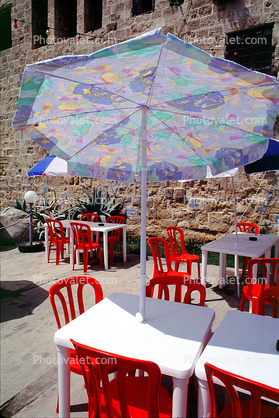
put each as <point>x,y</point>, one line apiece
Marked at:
<point>124,244</point>
<point>64,381</point>
<point>222,270</point>
<point>46,241</point>
<point>204,409</point>
<point>236,272</point>
<point>204,267</point>
<point>179,397</point>
<point>105,242</point>
<point>71,246</point>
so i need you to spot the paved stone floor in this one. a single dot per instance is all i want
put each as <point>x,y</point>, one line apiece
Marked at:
<point>28,353</point>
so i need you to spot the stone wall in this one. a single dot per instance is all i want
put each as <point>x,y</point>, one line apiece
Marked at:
<point>203,208</point>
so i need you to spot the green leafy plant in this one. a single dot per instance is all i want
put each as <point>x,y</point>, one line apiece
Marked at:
<point>98,203</point>
<point>39,214</point>
<point>176,2</point>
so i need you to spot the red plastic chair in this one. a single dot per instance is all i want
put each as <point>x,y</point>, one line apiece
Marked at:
<point>269,295</point>
<point>252,290</point>
<point>89,217</point>
<point>182,290</point>
<point>116,235</point>
<point>56,237</point>
<point>125,395</point>
<point>249,228</point>
<point>178,253</point>
<point>82,241</point>
<point>252,408</point>
<point>63,294</point>
<point>162,269</point>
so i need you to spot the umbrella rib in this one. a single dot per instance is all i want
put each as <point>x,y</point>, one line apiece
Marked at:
<point>95,139</point>
<point>154,76</point>
<point>213,91</point>
<point>185,140</point>
<point>92,85</point>
<point>81,115</point>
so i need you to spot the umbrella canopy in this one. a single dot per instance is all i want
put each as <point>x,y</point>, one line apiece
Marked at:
<point>50,166</point>
<point>153,106</point>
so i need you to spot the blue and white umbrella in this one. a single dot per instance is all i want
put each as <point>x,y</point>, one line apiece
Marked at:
<point>52,166</point>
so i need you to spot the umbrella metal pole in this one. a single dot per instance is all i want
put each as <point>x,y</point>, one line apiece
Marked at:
<point>69,197</point>
<point>142,307</point>
<point>234,209</point>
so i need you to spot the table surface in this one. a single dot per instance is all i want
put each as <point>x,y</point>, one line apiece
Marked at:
<point>173,336</point>
<point>95,226</point>
<point>244,247</point>
<point>244,344</point>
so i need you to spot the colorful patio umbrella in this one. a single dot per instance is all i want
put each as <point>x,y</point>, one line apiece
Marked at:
<point>153,106</point>
<point>52,166</point>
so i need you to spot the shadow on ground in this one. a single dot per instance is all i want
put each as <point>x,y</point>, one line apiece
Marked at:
<point>22,301</point>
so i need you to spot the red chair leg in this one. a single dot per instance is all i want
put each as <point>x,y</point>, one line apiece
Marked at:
<point>100,256</point>
<point>85,260</point>
<point>189,267</point>
<point>74,259</point>
<point>48,252</point>
<point>244,265</point>
<point>242,302</point>
<point>58,249</point>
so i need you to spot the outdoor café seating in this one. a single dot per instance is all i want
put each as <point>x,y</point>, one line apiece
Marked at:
<point>83,241</point>
<point>115,235</point>
<point>269,295</point>
<point>253,407</point>
<point>89,217</point>
<point>56,237</point>
<point>160,250</point>
<point>125,395</point>
<point>164,287</point>
<point>246,227</point>
<point>63,294</point>
<point>178,253</point>
<point>253,290</point>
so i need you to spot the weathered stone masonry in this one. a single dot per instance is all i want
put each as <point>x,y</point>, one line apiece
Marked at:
<point>204,209</point>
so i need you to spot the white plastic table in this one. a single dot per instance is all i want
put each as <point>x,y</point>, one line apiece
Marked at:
<point>244,247</point>
<point>244,344</point>
<point>95,227</point>
<point>173,337</point>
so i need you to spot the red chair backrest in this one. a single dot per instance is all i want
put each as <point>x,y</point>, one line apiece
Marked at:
<point>55,229</point>
<point>66,292</point>
<point>98,362</point>
<point>176,239</point>
<point>231,381</point>
<point>116,220</point>
<point>82,233</point>
<point>271,263</point>
<point>271,295</point>
<point>181,286</point>
<point>155,245</point>
<point>247,227</point>
<point>89,217</point>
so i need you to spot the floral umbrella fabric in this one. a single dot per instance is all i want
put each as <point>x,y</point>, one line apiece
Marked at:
<point>154,106</point>
<point>201,110</point>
